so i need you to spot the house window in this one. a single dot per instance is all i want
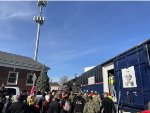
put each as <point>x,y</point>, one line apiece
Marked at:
<point>12,78</point>
<point>29,79</point>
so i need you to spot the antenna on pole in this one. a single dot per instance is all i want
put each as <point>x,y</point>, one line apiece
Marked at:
<point>39,20</point>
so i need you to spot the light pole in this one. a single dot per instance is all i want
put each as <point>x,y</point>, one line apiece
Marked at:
<point>39,20</point>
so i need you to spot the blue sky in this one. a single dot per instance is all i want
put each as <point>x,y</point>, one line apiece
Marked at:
<point>75,34</point>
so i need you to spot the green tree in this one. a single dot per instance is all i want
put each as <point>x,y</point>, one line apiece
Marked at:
<point>42,83</point>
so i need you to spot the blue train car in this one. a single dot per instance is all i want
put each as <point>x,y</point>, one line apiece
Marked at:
<point>131,70</point>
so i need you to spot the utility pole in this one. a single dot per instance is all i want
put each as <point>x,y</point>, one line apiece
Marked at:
<point>39,20</point>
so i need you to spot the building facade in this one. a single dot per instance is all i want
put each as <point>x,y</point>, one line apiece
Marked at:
<point>54,86</point>
<point>18,71</point>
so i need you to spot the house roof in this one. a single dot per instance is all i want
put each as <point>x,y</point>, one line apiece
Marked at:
<point>18,60</point>
<point>54,84</point>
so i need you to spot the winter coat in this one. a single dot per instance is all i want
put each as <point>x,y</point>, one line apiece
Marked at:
<point>96,102</point>
<point>18,107</point>
<point>45,106</point>
<point>96,98</point>
<point>107,106</point>
<point>54,107</point>
<point>89,107</point>
<point>79,104</point>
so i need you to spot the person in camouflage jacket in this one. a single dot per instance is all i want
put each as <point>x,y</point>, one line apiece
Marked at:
<point>89,106</point>
<point>97,102</point>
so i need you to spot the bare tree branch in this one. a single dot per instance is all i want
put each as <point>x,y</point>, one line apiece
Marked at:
<point>63,79</point>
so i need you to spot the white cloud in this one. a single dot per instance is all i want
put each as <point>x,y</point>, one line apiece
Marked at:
<point>16,10</point>
<point>19,15</point>
<point>10,12</point>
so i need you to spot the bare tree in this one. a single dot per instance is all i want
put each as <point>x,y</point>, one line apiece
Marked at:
<point>63,79</point>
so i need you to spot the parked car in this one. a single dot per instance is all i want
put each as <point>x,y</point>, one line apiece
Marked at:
<point>12,90</point>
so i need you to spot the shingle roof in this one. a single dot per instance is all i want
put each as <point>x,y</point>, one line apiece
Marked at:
<point>18,60</point>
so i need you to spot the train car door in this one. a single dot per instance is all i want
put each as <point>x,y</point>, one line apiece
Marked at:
<point>108,79</point>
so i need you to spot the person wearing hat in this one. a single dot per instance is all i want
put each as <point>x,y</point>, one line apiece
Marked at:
<point>79,103</point>
<point>96,97</point>
<point>89,106</point>
<point>96,101</point>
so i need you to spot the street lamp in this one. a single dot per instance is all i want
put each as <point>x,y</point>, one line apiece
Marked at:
<point>39,20</point>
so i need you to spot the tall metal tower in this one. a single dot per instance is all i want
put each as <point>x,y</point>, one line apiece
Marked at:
<point>39,20</point>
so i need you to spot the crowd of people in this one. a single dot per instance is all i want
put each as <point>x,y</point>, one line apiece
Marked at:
<point>56,102</point>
